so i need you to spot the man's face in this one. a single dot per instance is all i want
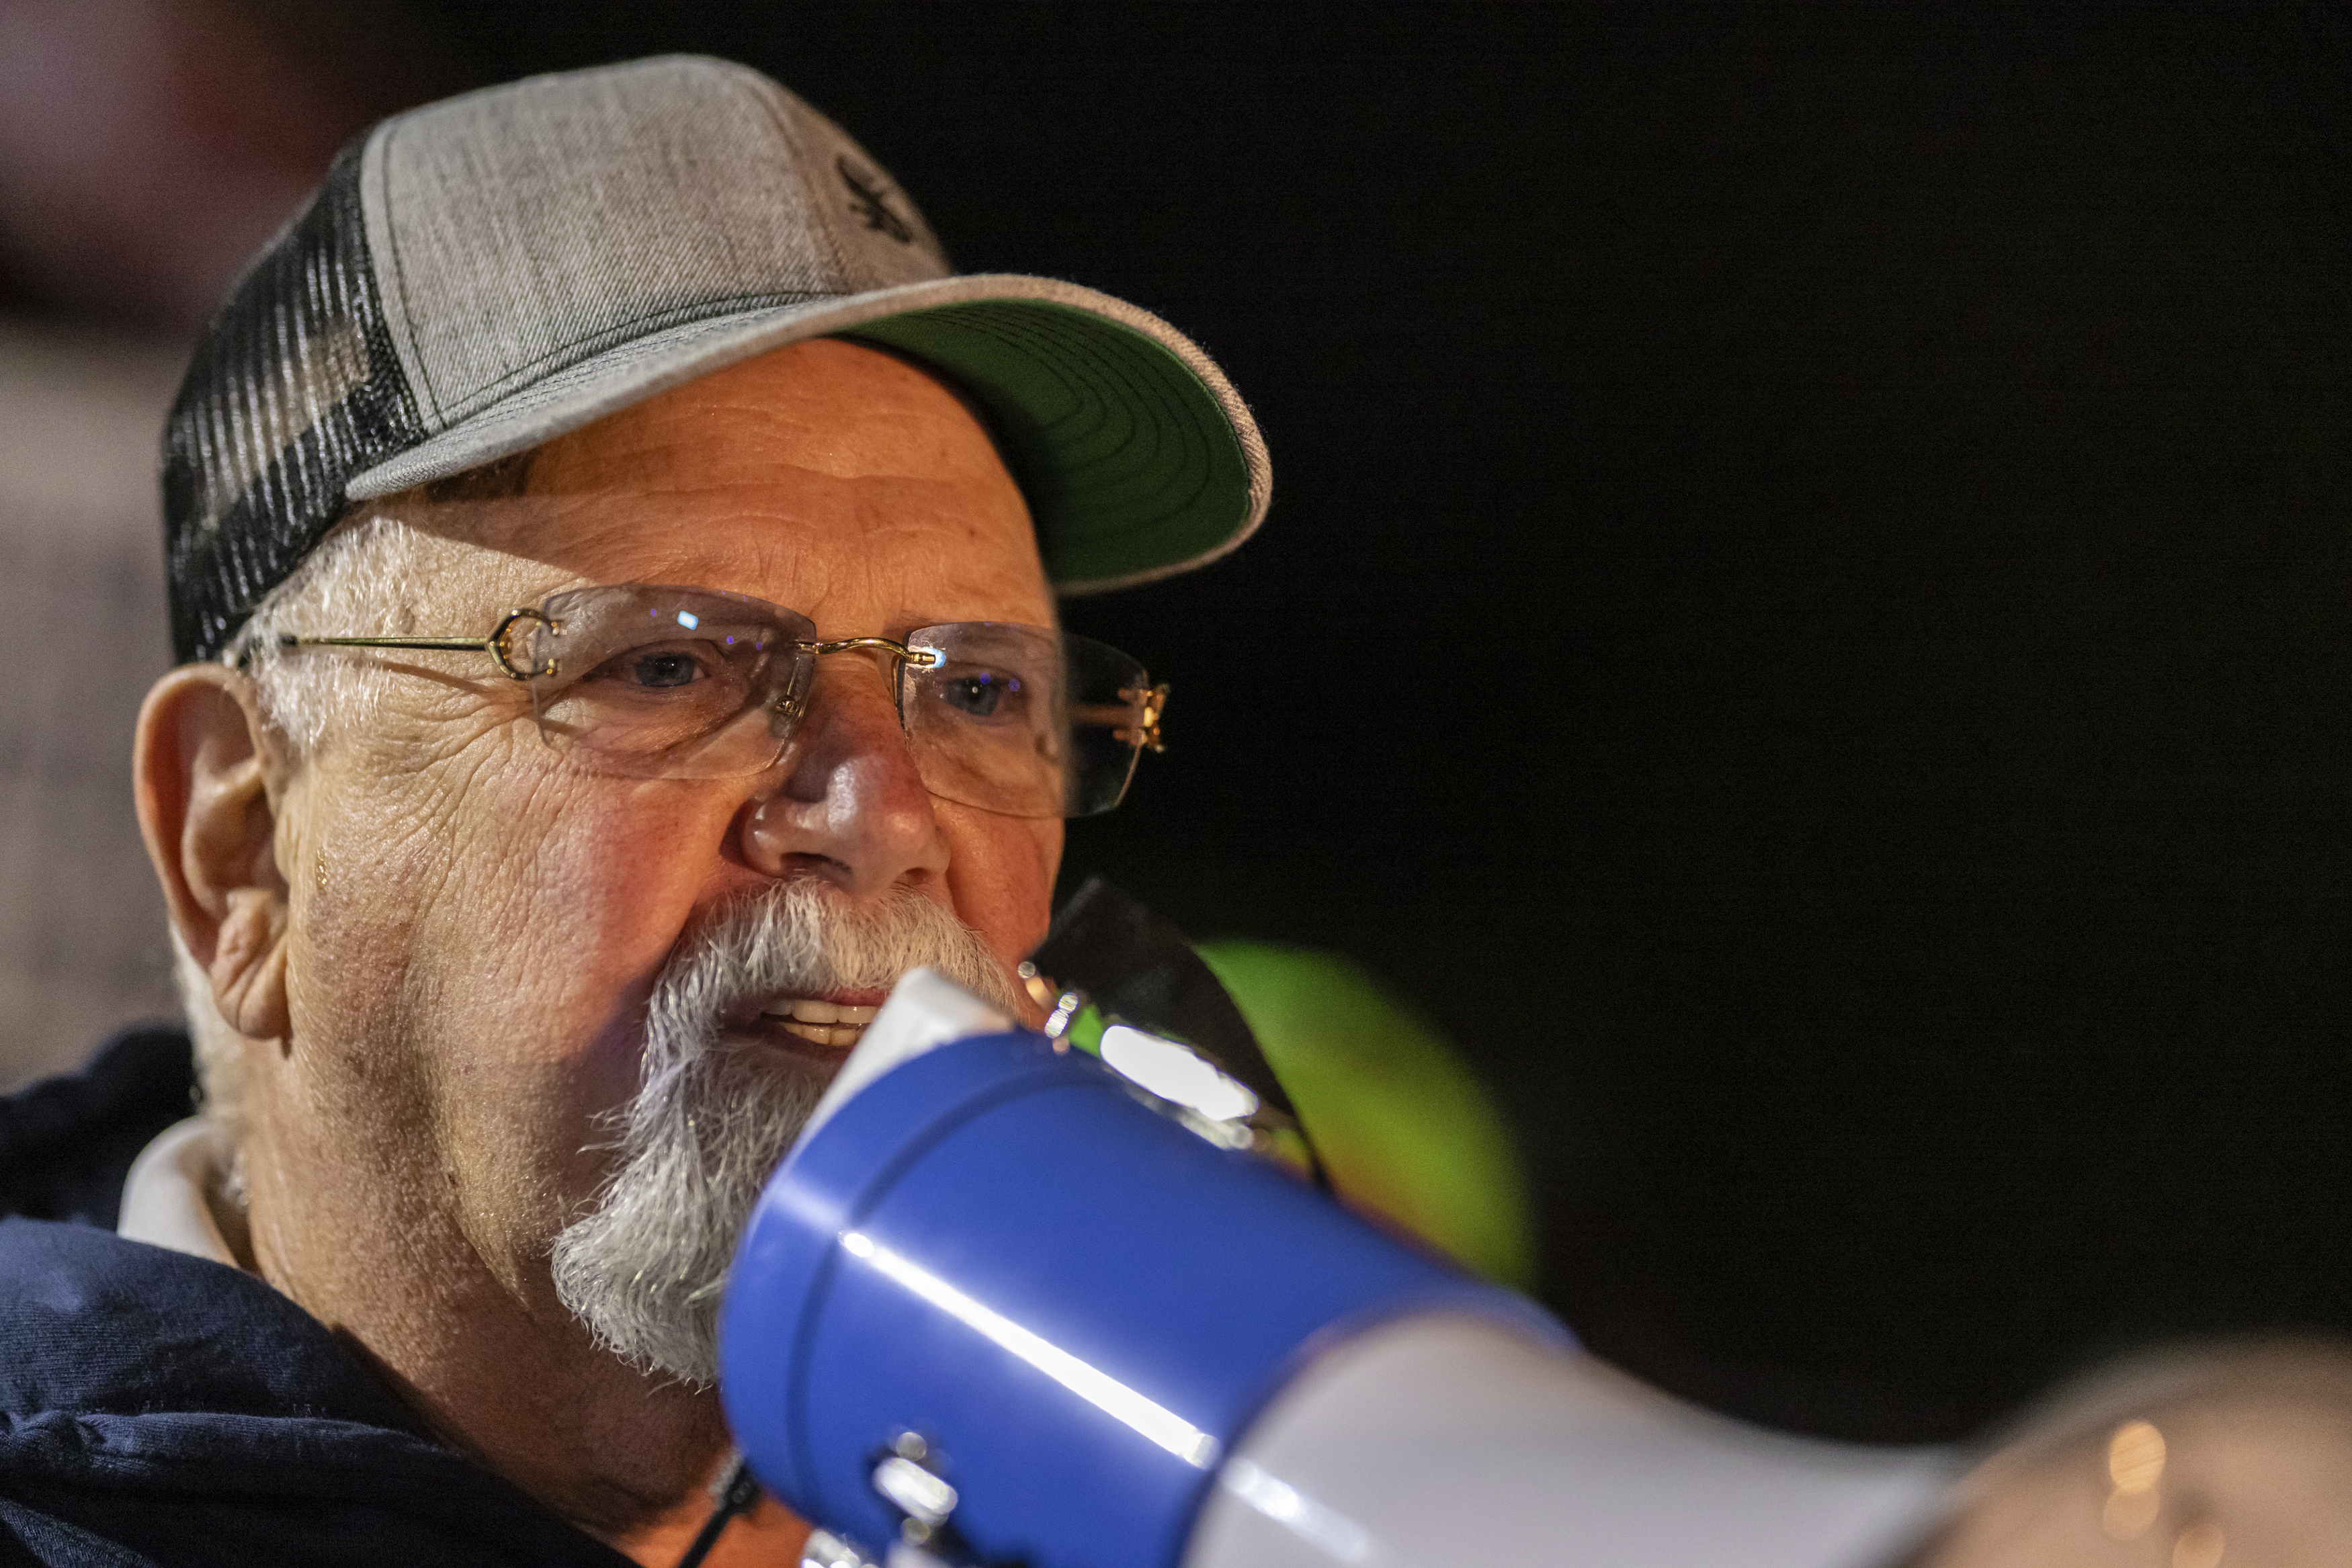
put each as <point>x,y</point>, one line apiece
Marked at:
<point>476,922</point>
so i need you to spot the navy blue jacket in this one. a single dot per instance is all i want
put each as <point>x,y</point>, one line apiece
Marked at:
<point>159,1409</point>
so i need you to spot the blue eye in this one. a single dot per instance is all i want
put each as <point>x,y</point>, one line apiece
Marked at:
<point>662,671</point>
<point>979,697</point>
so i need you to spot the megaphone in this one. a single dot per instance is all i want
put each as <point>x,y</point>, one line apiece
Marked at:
<point>1003,1304</point>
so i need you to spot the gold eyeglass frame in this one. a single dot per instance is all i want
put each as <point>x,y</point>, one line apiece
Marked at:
<point>1152,702</point>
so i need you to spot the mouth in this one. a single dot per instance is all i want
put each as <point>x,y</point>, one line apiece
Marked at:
<point>822,1029</point>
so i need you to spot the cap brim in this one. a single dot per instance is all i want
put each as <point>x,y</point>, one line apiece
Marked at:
<point>1136,456</point>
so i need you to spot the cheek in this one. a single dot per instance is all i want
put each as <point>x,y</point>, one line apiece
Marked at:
<point>571,900</point>
<point>498,938</point>
<point>1000,876</point>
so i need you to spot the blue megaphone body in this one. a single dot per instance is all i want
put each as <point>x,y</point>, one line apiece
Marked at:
<point>1002,1305</point>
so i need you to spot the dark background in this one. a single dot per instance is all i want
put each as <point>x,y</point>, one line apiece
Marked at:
<point>1803,618</point>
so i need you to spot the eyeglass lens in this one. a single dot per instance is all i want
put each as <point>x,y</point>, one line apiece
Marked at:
<point>1022,716</point>
<point>682,683</point>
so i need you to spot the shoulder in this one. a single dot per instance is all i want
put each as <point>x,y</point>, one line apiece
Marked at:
<point>156,1407</point>
<point>67,1142</point>
<point>101,1324</point>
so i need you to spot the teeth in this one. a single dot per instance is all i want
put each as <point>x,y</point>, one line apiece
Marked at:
<point>807,1009</point>
<point>824,1034</point>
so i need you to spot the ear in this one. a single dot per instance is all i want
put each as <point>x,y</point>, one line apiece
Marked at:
<point>205,776</point>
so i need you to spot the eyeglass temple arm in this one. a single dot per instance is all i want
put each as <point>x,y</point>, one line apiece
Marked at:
<point>495,644</point>
<point>1135,721</point>
<point>450,644</point>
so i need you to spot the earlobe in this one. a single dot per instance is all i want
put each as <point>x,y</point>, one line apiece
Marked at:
<point>209,815</point>
<point>248,964</point>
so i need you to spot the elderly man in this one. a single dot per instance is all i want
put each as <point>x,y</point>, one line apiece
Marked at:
<point>614,568</point>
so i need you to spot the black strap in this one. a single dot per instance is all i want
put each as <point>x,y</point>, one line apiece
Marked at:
<point>736,1493</point>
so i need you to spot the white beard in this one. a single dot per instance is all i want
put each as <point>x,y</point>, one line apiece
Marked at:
<point>644,1269</point>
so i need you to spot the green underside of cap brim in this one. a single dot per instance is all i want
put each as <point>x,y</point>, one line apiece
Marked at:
<point>1129,462</point>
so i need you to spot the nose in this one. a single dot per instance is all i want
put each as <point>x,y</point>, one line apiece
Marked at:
<point>848,803</point>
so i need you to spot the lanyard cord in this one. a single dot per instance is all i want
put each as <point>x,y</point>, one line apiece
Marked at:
<point>736,1494</point>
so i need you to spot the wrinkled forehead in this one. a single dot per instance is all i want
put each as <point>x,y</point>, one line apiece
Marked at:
<point>829,477</point>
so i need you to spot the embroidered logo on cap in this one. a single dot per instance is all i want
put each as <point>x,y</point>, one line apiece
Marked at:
<point>870,199</point>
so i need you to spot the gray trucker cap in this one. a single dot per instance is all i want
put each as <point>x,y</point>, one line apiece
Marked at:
<point>484,274</point>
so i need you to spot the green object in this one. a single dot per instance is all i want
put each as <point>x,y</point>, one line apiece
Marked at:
<point>1086,1031</point>
<point>1401,1125</point>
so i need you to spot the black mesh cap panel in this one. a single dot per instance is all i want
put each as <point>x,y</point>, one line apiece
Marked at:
<point>295,388</point>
